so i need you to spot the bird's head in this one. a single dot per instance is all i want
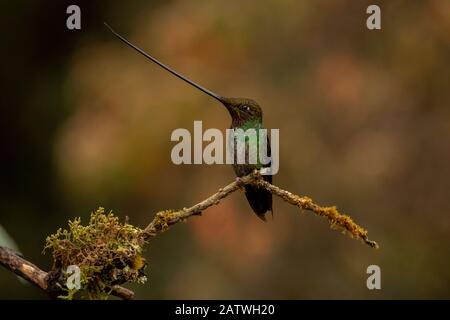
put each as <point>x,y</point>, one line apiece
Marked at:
<point>242,109</point>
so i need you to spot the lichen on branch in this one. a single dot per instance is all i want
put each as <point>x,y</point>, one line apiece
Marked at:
<point>334,217</point>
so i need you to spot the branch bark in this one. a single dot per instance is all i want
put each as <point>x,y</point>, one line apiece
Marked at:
<point>164,219</point>
<point>14,262</point>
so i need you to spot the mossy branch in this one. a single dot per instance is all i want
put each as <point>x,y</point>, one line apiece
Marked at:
<point>164,219</point>
<point>109,253</point>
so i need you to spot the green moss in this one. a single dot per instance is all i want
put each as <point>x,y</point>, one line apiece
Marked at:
<point>106,251</point>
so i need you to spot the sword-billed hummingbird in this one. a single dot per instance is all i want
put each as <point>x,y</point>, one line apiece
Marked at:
<point>245,114</point>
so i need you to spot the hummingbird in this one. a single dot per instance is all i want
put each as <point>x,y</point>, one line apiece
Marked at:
<point>245,114</point>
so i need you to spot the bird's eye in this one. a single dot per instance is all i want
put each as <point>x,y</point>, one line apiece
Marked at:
<point>246,107</point>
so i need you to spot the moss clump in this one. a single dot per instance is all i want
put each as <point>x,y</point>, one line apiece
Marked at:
<point>106,251</point>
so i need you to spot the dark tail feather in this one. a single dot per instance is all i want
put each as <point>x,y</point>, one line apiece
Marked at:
<point>259,199</point>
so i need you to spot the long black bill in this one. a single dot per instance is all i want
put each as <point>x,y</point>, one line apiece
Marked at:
<point>210,93</point>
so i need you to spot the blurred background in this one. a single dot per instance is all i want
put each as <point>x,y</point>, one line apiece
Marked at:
<point>364,119</point>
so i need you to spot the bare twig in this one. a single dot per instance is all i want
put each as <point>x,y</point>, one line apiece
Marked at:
<point>164,219</point>
<point>122,292</point>
<point>12,261</point>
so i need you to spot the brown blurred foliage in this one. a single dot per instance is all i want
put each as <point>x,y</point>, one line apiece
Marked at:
<point>363,116</point>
